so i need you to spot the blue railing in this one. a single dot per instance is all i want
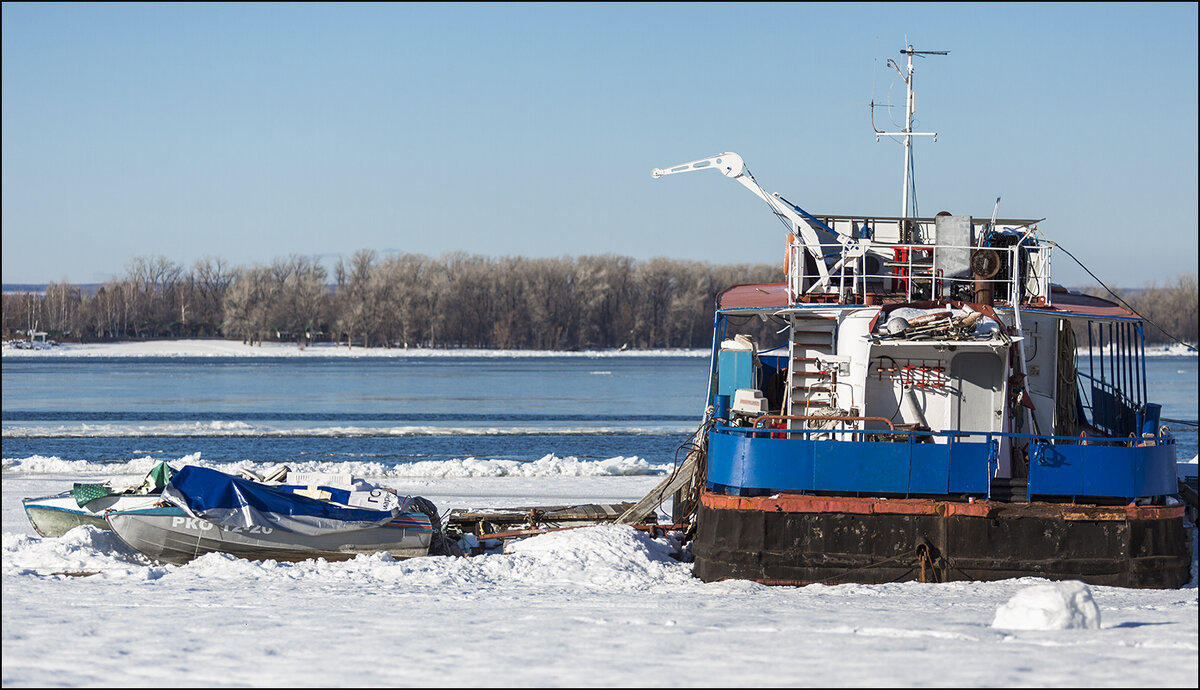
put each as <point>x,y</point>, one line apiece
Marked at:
<point>1113,389</point>
<point>750,461</point>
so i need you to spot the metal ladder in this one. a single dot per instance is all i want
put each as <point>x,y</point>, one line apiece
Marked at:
<point>809,387</point>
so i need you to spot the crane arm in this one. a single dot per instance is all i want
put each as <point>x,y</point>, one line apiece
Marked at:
<point>731,165</point>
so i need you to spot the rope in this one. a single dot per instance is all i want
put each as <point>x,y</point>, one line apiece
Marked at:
<point>697,443</point>
<point>1179,421</point>
<point>1066,394</point>
<point>914,552</point>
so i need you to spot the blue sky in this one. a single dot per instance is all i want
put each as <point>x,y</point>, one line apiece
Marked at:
<point>252,132</point>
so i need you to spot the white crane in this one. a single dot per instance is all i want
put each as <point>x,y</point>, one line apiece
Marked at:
<point>807,230</point>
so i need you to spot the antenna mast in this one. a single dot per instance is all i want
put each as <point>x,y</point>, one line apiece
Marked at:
<point>906,132</point>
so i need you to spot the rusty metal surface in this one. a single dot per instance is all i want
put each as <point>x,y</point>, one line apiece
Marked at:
<point>806,539</point>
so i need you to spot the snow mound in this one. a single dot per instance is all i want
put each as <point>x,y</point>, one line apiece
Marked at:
<point>549,465</point>
<point>613,558</point>
<point>1056,606</point>
<point>601,558</point>
<point>610,556</point>
<point>84,549</point>
<point>41,464</point>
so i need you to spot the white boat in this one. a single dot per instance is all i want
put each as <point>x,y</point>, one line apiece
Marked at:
<point>86,504</point>
<point>54,516</point>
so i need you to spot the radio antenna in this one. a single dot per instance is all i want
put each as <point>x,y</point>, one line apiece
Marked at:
<point>906,131</point>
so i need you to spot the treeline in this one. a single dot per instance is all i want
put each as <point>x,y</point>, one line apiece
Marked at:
<point>403,300</point>
<point>457,300</point>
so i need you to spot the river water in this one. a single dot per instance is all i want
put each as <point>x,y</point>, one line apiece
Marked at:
<point>388,411</point>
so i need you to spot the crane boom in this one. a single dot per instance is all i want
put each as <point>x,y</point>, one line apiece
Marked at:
<point>730,165</point>
<point>806,230</point>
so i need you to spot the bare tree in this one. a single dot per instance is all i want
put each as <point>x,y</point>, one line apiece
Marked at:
<point>202,310</point>
<point>152,300</point>
<point>352,301</point>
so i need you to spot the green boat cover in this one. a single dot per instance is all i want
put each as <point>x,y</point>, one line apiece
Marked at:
<point>85,493</point>
<point>155,480</point>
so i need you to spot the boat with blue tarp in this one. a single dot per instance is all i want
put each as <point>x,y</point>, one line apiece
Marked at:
<point>205,511</point>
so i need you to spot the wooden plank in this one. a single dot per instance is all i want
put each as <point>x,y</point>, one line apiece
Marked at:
<point>674,481</point>
<point>485,521</point>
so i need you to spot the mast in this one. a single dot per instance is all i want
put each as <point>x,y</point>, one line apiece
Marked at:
<point>906,132</point>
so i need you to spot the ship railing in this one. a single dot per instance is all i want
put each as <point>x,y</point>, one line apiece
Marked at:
<point>862,270</point>
<point>1111,382</point>
<point>781,421</point>
<point>761,430</point>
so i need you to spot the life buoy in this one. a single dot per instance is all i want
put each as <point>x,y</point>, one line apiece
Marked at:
<point>787,254</point>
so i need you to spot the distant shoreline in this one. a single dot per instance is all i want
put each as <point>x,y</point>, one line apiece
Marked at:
<point>236,348</point>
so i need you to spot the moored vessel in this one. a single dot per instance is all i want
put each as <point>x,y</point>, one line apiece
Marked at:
<point>86,504</point>
<point>205,511</point>
<point>927,415</point>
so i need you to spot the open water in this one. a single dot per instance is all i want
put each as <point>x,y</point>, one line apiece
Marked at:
<point>389,411</point>
<point>385,410</point>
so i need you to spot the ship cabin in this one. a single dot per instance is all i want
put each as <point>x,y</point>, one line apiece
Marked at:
<point>931,357</point>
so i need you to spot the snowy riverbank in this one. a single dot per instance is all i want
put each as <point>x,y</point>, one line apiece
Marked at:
<point>594,607</point>
<point>236,348</point>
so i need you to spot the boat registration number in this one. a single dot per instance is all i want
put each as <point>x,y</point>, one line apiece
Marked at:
<point>204,526</point>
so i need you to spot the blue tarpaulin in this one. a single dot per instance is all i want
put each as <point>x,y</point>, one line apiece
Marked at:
<point>224,499</point>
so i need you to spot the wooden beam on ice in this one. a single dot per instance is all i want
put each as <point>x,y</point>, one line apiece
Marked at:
<point>674,481</point>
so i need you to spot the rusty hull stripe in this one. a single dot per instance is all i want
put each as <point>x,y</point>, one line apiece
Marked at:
<point>800,503</point>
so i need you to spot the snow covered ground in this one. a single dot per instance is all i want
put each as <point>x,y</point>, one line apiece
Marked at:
<point>236,348</point>
<point>601,606</point>
<point>604,606</point>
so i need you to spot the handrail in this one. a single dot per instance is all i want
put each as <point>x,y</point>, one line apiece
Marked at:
<point>924,264</point>
<point>816,418</point>
<point>953,435</point>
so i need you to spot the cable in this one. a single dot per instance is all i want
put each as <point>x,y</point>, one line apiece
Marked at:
<point>895,368</point>
<point>1179,421</point>
<point>912,182</point>
<point>1123,302</point>
<point>786,223</point>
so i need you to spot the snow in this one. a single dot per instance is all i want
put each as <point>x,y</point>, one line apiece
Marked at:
<point>599,606</point>
<point>1054,606</point>
<point>548,466</point>
<point>1172,350</point>
<point>1161,350</point>
<point>236,348</point>
<point>595,606</point>
<point>1187,468</point>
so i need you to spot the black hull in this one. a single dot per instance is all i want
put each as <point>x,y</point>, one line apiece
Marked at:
<point>800,540</point>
